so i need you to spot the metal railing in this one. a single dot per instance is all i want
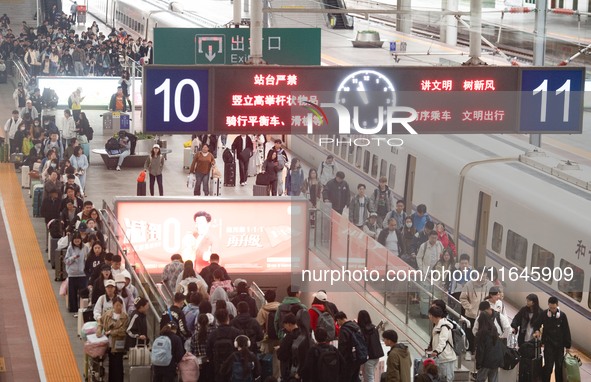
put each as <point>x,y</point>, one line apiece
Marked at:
<point>338,244</point>
<point>118,243</point>
<point>20,71</point>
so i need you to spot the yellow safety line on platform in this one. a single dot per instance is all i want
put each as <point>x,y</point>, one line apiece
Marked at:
<point>54,344</point>
<point>334,60</point>
<point>567,147</point>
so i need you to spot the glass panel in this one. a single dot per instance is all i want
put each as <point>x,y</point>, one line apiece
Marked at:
<point>358,157</point>
<point>383,168</point>
<point>366,161</point>
<point>343,151</point>
<point>542,258</point>
<point>573,288</point>
<point>357,248</point>
<point>516,249</point>
<point>351,155</point>
<point>374,166</point>
<point>391,176</point>
<point>338,247</point>
<point>497,238</point>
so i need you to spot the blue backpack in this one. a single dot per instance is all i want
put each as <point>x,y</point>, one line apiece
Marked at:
<point>359,347</point>
<point>238,370</point>
<point>161,351</point>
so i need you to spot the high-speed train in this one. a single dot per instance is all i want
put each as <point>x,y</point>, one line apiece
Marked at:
<point>525,213</point>
<point>141,17</point>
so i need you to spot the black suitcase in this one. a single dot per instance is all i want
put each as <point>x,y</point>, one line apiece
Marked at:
<point>37,200</point>
<point>530,363</point>
<point>52,251</point>
<point>60,267</point>
<point>230,174</point>
<point>141,188</point>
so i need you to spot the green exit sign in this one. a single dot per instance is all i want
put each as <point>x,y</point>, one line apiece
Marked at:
<point>217,46</point>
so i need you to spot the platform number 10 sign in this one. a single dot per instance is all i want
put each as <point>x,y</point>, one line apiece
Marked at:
<point>551,100</point>
<point>175,100</point>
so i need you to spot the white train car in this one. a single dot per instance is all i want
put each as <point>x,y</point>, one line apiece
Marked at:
<point>519,216</point>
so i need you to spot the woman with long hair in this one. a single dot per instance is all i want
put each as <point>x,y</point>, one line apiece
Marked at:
<point>75,262</point>
<point>489,351</point>
<point>199,345</point>
<point>94,214</point>
<point>312,187</point>
<point>153,166</point>
<point>374,346</point>
<point>188,276</point>
<point>79,161</point>
<point>522,323</point>
<point>250,365</point>
<point>294,182</point>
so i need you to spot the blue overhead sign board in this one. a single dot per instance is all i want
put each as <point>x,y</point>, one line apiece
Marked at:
<point>275,99</point>
<point>176,100</point>
<point>551,100</point>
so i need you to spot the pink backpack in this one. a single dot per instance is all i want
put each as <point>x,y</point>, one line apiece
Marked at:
<point>189,368</point>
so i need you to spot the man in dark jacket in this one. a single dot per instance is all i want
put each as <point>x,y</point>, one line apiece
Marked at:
<point>220,343</point>
<point>243,296</point>
<point>248,326</point>
<point>207,272</point>
<point>168,373</point>
<point>323,361</point>
<point>51,206</point>
<point>555,339</point>
<point>350,371</point>
<point>337,192</point>
<point>284,354</point>
<point>178,317</point>
<point>391,238</point>
<point>243,148</point>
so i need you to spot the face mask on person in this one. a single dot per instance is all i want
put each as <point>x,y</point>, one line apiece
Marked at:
<point>408,225</point>
<point>120,286</point>
<point>53,165</point>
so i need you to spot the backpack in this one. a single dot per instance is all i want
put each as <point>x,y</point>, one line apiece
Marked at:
<point>327,363</point>
<point>227,156</point>
<point>161,351</point>
<point>222,350</point>
<point>381,202</point>
<point>89,132</point>
<point>238,370</point>
<point>271,331</point>
<point>359,347</point>
<point>458,337</point>
<point>326,322</point>
<point>284,310</point>
<point>112,144</point>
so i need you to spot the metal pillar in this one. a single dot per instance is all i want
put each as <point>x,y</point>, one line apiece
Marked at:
<point>451,23</point>
<point>132,97</point>
<point>403,20</point>
<point>475,33</point>
<point>256,32</point>
<point>539,50</point>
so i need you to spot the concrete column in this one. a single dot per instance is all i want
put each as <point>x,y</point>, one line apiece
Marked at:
<point>539,50</point>
<point>451,23</point>
<point>237,12</point>
<point>256,32</point>
<point>403,21</point>
<point>475,33</point>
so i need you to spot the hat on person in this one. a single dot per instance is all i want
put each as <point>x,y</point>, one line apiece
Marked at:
<point>110,283</point>
<point>238,281</point>
<point>156,146</point>
<point>321,296</point>
<point>494,290</point>
<point>428,361</point>
<point>373,214</point>
<point>82,227</point>
<point>119,278</point>
<point>126,274</point>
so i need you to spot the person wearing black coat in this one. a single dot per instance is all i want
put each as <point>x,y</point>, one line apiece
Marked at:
<point>374,345</point>
<point>51,206</point>
<point>248,326</point>
<point>337,192</point>
<point>168,373</point>
<point>489,350</point>
<point>207,272</point>
<point>523,321</point>
<point>137,329</point>
<point>242,289</point>
<point>244,149</point>
<point>223,331</point>
<point>350,371</point>
<point>555,338</point>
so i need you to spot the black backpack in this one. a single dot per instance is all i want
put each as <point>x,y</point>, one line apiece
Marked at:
<point>271,331</point>
<point>89,132</point>
<point>360,354</point>
<point>223,348</point>
<point>327,362</point>
<point>227,156</point>
<point>112,144</point>
<point>284,310</point>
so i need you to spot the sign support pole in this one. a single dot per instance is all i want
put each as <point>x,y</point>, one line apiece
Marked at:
<point>539,51</point>
<point>256,33</point>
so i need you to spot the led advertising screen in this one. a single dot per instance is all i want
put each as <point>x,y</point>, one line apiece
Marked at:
<point>251,236</point>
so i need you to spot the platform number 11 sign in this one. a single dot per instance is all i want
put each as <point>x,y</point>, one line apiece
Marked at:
<point>551,100</point>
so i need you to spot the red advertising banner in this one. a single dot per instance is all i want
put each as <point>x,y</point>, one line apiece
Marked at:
<point>250,236</point>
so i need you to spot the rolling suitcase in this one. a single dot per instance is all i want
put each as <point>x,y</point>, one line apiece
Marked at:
<point>25,176</point>
<point>37,200</point>
<point>60,267</point>
<point>140,373</point>
<point>17,158</point>
<point>96,370</point>
<point>4,151</point>
<point>215,186</point>
<point>230,174</point>
<point>51,249</point>
<point>530,364</point>
<point>187,157</point>
<point>141,188</point>
<point>260,190</point>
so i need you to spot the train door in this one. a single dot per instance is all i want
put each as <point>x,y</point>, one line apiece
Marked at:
<point>409,184</point>
<point>481,235</point>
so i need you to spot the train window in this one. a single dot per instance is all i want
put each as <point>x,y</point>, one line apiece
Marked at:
<point>391,176</point>
<point>497,237</point>
<point>516,249</point>
<point>573,288</point>
<point>366,161</point>
<point>383,168</point>
<point>542,258</point>
<point>351,155</point>
<point>358,157</point>
<point>374,166</point>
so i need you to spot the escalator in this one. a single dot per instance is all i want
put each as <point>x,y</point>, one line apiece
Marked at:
<point>338,20</point>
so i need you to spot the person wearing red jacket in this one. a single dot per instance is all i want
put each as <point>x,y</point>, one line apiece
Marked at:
<point>445,239</point>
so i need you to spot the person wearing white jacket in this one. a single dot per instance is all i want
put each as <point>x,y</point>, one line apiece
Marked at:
<point>442,344</point>
<point>68,127</point>
<point>74,261</point>
<point>105,302</point>
<point>501,321</point>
